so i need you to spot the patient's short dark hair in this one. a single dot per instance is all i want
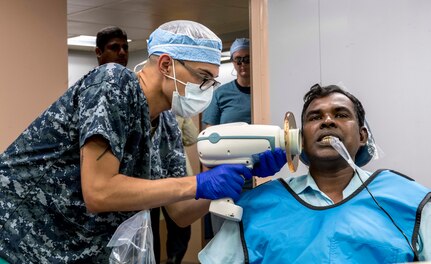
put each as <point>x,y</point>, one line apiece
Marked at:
<point>317,91</point>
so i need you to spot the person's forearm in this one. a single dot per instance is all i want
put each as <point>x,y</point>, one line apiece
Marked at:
<point>186,212</point>
<point>123,193</point>
<point>105,190</point>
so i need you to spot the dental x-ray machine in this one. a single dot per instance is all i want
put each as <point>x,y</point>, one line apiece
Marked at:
<point>237,143</point>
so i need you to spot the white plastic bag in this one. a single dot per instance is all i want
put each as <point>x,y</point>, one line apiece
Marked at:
<point>132,242</point>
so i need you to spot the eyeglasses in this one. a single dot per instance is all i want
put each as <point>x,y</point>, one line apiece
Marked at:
<point>206,82</point>
<point>239,60</point>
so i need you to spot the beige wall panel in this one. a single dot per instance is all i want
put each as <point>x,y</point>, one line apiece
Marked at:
<point>33,72</point>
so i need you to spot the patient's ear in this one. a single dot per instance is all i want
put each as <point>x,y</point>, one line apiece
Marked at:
<point>363,135</point>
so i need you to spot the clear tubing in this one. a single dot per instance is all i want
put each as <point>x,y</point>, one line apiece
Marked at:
<point>341,149</point>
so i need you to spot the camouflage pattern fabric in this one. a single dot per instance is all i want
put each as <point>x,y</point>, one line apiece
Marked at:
<point>43,218</point>
<point>168,149</point>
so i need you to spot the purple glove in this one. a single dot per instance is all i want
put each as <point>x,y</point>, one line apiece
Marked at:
<point>269,162</point>
<point>222,181</point>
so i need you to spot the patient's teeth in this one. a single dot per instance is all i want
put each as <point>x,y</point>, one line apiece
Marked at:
<point>326,139</point>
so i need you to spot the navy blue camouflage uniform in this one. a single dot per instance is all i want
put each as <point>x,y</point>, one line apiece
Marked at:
<point>43,218</point>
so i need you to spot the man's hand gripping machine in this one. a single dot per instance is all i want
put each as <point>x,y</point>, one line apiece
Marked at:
<point>237,143</point>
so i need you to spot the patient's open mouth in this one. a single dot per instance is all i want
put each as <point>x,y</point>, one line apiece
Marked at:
<point>327,139</point>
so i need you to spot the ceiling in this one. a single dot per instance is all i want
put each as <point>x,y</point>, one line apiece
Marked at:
<point>229,19</point>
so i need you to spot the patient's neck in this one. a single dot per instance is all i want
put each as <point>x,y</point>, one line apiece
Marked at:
<point>332,182</point>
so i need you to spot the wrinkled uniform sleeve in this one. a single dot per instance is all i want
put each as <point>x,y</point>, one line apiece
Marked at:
<point>225,247</point>
<point>104,108</point>
<point>167,159</point>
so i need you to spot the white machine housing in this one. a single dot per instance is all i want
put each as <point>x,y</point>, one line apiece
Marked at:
<point>236,143</point>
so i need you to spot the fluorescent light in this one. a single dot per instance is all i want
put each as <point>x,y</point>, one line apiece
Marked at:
<point>83,40</point>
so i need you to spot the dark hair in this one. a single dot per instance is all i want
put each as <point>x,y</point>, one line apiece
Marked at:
<point>108,33</point>
<point>317,91</point>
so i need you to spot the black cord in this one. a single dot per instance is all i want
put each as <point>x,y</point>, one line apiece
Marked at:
<point>390,217</point>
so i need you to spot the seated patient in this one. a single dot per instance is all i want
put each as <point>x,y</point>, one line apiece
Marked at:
<point>334,214</point>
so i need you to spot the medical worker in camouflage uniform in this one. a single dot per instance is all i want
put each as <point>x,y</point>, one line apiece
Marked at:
<point>88,162</point>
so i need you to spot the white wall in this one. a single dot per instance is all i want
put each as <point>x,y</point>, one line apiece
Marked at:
<point>34,62</point>
<point>379,50</point>
<point>80,62</point>
<point>226,73</point>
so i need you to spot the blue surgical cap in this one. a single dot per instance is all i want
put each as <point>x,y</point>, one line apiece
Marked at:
<point>238,44</point>
<point>186,40</point>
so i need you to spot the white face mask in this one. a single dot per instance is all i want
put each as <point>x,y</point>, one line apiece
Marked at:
<point>195,100</point>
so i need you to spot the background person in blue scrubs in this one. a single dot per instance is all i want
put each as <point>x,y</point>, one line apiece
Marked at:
<point>231,101</point>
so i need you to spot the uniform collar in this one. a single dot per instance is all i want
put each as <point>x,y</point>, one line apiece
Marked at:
<point>306,184</point>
